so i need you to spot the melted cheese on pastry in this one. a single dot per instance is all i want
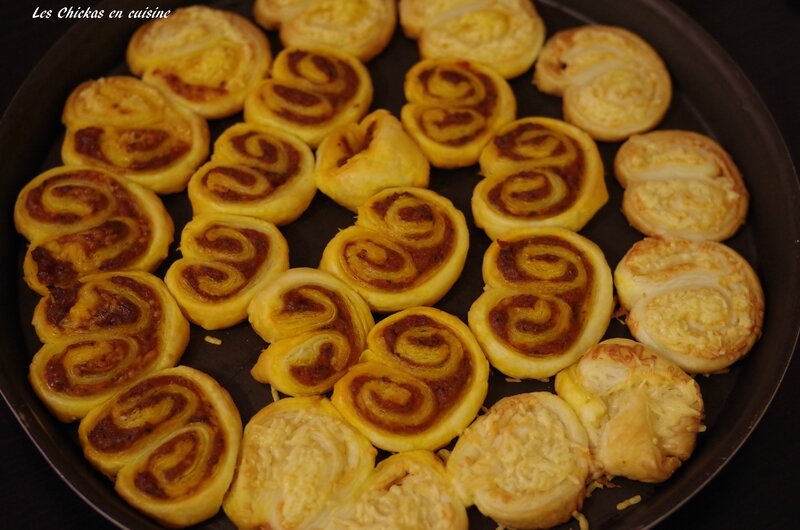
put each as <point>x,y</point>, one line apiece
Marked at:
<point>361,159</point>
<point>206,58</point>
<point>361,28</point>
<point>613,83</point>
<point>505,35</point>
<point>420,382</point>
<point>680,184</point>
<point>524,463</point>
<point>407,248</point>
<point>316,326</point>
<point>129,127</point>
<point>548,297</point>
<point>299,461</point>
<point>81,220</point>
<point>454,107</point>
<point>256,171</point>
<point>311,92</point>
<point>226,260</point>
<point>641,412</point>
<point>539,172</point>
<point>100,334</point>
<point>698,303</point>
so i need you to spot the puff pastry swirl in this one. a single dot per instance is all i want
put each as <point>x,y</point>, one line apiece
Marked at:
<point>317,327</point>
<point>226,260</point>
<point>81,220</point>
<point>680,184</point>
<point>454,107</point>
<point>613,83</point>
<point>361,28</point>
<point>100,334</point>
<point>539,172</point>
<point>208,59</point>
<point>256,171</point>
<point>524,463</point>
<point>548,297</point>
<point>299,461</point>
<point>641,411</point>
<point>170,442</point>
<point>360,159</point>
<point>407,248</point>
<point>698,303</point>
<point>420,382</point>
<point>311,92</point>
<point>505,35</point>
<point>124,125</point>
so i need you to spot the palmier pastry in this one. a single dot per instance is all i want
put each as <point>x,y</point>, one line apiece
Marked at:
<point>101,333</point>
<point>207,58</point>
<point>358,160</point>
<point>641,412</point>
<point>226,260</point>
<point>256,171</point>
<point>524,463</point>
<point>548,297</point>
<point>407,491</point>
<point>454,107</point>
<point>420,382</point>
<point>506,35</point>
<point>317,328</point>
<point>361,28</point>
<point>407,248</point>
<point>299,461</point>
<point>81,220</point>
<point>613,83</point>
<point>539,172</point>
<point>680,184</point>
<point>126,126</point>
<point>311,92</point>
<point>698,303</point>
<point>170,443</point>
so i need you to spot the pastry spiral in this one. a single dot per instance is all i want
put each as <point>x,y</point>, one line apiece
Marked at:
<point>524,463</point>
<point>680,184</point>
<point>255,171</point>
<point>698,303</point>
<point>539,172</point>
<point>548,297</point>
<point>360,159</point>
<point>226,260</point>
<point>81,220</point>
<point>170,443</point>
<point>207,58</point>
<point>407,248</point>
<point>299,461</point>
<point>317,327</point>
<point>361,28</point>
<point>613,83</point>
<point>311,92</point>
<point>505,35</point>
<point>131,128</point>
<point>454,107</point>
<point>408,491</point>
<point>420,382</point>
<point>100,334</point>
<point>641,412</point>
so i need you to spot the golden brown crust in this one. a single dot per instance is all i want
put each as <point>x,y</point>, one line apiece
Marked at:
<point>206,58</point>
<point>82,220</point>
<point>698,303</point>
<point>613,83</point>
<point>680,184</point>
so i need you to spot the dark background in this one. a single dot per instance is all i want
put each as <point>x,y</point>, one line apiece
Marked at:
<point>756,489</point>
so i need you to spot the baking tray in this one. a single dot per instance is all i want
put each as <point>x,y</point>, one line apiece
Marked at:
<point>711,96</point>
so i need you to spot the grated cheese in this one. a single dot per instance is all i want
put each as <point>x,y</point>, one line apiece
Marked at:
<point>636,499</point>
<point>213,340</point>
<point>583,523</point>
